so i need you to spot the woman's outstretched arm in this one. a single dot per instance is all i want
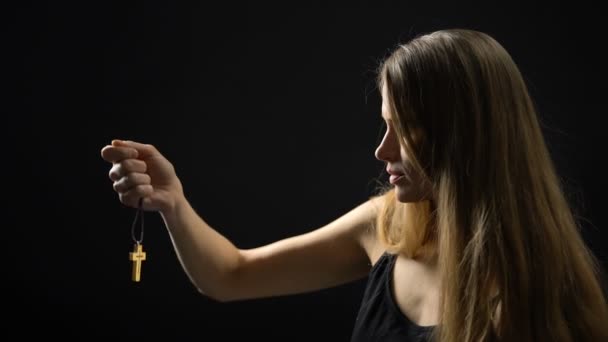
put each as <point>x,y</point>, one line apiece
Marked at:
<point>336,253</point>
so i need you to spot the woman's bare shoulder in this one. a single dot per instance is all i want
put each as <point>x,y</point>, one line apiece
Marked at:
<point>369,239</point>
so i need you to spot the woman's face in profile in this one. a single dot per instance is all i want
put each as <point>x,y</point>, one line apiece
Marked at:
<point>409,184</point>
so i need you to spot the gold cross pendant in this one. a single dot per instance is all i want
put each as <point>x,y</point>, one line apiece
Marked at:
<point>137,256</point>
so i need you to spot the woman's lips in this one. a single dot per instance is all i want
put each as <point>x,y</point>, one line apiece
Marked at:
<point>395,175</point>
<point>395,178</point>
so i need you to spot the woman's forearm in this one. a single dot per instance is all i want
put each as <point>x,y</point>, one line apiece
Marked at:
<point>208,258</point>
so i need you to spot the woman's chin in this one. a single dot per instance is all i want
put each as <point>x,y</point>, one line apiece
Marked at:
<point>407,194</point>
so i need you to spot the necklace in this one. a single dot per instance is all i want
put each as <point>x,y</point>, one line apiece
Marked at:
<point>138,255</point>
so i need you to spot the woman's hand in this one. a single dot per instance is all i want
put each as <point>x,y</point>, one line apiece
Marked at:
<point>141,171</point>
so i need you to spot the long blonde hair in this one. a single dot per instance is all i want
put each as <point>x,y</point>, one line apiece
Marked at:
<point>513,263</point>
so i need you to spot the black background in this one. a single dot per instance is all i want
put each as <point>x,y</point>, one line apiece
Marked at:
<point>270,116</point>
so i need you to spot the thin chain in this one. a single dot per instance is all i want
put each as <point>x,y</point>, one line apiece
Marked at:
<point>141,233</point>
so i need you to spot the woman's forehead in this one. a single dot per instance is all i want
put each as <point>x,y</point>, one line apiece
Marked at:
<point>385,114</point>
<point>385,108</point>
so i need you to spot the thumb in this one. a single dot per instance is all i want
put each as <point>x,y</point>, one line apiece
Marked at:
<point>144,150</point>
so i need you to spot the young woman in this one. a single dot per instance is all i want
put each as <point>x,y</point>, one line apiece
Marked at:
<point>474,239</point>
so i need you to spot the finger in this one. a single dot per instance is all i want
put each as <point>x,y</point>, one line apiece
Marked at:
<point>145,150</point>
<point>130,181</point>
<point>131,197</point>
<point>114,154</point>
<point>125,167</point>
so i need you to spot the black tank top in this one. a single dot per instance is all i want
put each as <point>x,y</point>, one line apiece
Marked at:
<point>379,317</point>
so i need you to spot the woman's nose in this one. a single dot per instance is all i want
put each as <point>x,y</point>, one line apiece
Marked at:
<point>388,150</point>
